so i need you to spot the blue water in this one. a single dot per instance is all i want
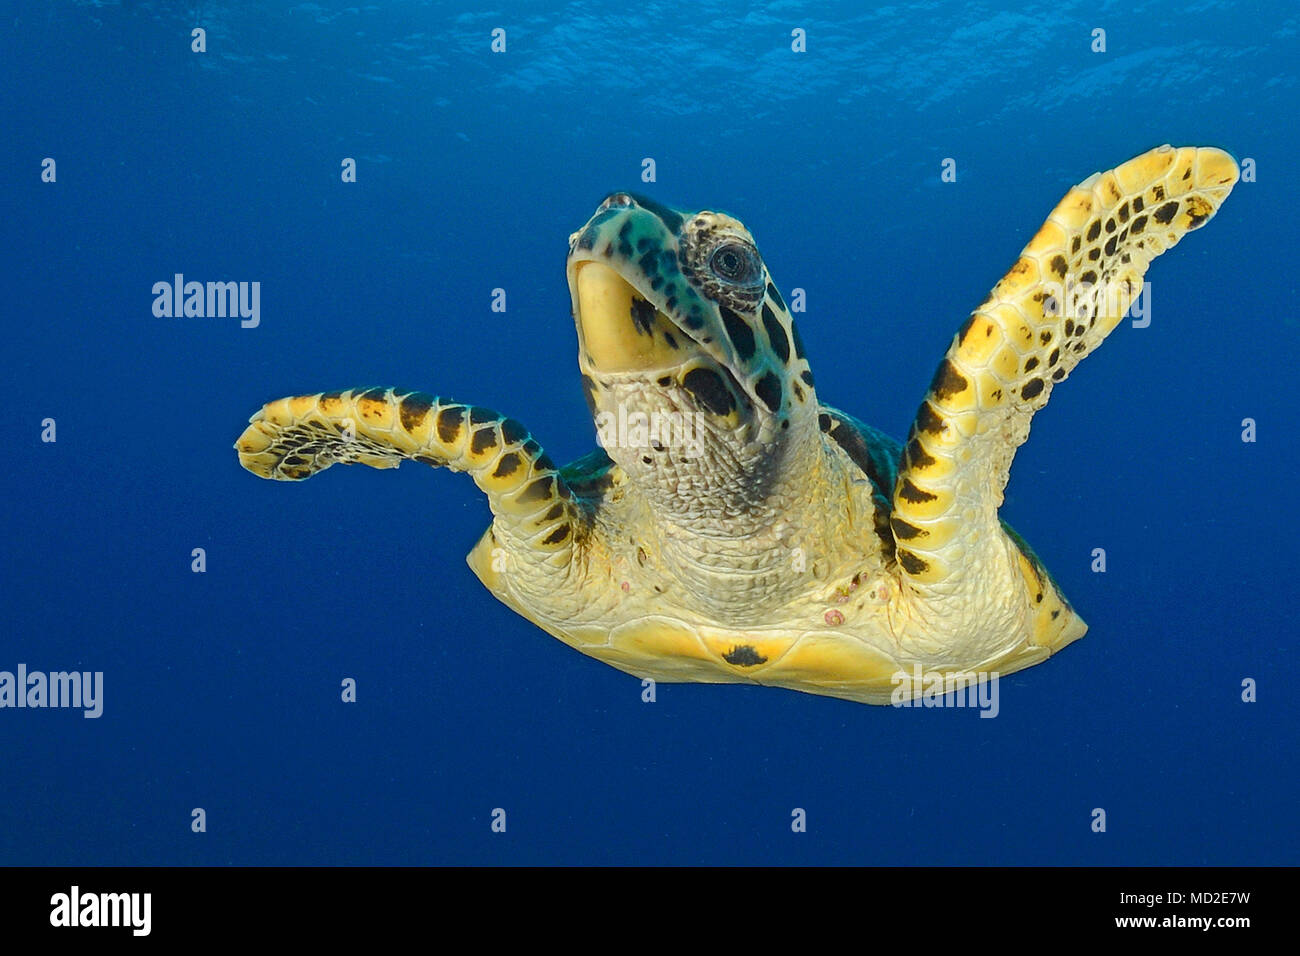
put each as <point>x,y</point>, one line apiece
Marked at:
<point>222,689</point>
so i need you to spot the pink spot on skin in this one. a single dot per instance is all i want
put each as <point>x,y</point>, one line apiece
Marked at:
<point>834,618</point>
<point>627,587</point>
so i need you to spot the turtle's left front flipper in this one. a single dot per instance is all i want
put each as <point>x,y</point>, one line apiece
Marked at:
<point>1068,290</point>
<point>294,438</point>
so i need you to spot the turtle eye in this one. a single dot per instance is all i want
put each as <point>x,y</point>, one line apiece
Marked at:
<point>736,262</point>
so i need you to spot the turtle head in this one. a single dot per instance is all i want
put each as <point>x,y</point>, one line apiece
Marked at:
<point>679,323</point>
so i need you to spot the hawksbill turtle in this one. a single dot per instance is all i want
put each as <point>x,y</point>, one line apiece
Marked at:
<point>733,528</point>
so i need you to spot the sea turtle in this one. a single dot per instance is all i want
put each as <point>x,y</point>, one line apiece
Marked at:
<point>733,528</point>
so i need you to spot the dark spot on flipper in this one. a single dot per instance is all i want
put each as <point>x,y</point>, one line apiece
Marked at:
<point>709,390</point>
<point>668,337</point>
<point>513,431</point>
<point>1032,388</point>
<point>928,420</point>
<point>1165,213</point>
<point>478,415</point>
<point>558,535</point>
<point>1031,363</point>
<point>768,388</point>
<point>910,562</point>
<point>1058,265</point>
<point>414,410</point>
<point>738,330</point>
<point>917,455</point>
<point>374,394</point>
<point>484,440</point>
<point>775,296</point>
<point>905,531</point>
<point>449,422</point>
<point>1054,357</point>
<point>1094,230</point>
<point>539,490</point>
<point>947,381</point>
<point>743,655</point>
<point>1110,246</point>
<point>665,381</point>
<point>1056,614</point>
<point>1139,224</point>
<point>556,510</point>
<point>909,492</point>
<point>506,467</point>
<point>776,335</point>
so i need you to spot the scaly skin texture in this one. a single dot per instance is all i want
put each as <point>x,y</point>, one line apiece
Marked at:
<point>734,528</point>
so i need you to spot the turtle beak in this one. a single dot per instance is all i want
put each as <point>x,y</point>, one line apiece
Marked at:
<point>619,329</point>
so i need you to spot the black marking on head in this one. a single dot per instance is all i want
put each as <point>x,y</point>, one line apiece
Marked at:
<point>807,377</point>
<point>1165,213</point>
<point>557,509</point>
<point>776,335</point>
<point>768,388</point>
<point>775,296</point>
<point>824,422</point>
<point>513,431</point>
<point>664,381</point>
<point>414,410</point>
<point>947,380</point>
<point>743,655</point>
<point>709,390</point>
<point>484,439</point>
<point>449,422</point>
<point>1056,614</point>
<point>671,219</point>
<point>798,342</point>
<point>909,492</point>
<point>668,337</point>
<point>1094,229</point>
<point>798,393</point>
<point>738,330</point>
<point>507,466</point>
<point>643,315</point>
<point>1032,388</point>
<point>910,562</point>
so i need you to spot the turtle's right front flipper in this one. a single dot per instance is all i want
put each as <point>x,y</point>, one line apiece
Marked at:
<point>294,438</point>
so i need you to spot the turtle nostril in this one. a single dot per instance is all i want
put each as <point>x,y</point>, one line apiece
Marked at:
<point>616,199</point>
